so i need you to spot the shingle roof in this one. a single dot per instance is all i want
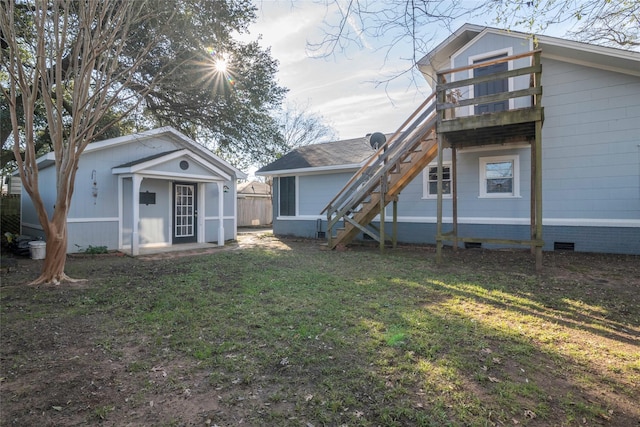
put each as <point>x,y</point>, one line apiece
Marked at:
<point>337,153</point>
<point>146,159</point>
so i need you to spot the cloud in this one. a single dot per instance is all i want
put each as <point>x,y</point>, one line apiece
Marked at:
<point>340,88</point>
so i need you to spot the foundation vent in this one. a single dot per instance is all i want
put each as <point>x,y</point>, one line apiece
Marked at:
<point>564,246</point>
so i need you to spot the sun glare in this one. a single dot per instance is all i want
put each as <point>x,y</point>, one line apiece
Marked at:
<point>221,65</point>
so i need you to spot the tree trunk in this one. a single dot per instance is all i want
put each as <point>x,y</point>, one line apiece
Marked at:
<point>54,262</point>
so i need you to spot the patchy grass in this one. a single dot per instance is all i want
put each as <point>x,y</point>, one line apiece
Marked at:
<point>298,336</point>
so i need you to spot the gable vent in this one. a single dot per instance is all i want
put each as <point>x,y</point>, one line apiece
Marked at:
<point>564,246</point>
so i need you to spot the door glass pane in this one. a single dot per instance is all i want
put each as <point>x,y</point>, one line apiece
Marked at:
<point>184,210</point>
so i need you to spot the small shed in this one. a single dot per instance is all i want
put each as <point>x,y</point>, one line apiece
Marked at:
<point>254,204</point>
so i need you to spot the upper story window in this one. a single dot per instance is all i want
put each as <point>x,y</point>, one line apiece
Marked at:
<point>287,196</point>
<point>430,181</point>
<point>500,176</point>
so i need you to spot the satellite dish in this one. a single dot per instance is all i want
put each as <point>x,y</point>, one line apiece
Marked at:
<point>377,140</point>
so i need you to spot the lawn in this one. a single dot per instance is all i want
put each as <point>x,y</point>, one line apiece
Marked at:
<point>287,334</point>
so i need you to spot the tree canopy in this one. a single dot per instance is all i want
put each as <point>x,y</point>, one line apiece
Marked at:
<point>230,110</point>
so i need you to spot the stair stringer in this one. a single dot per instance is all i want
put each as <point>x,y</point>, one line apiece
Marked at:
<point>397,180</point>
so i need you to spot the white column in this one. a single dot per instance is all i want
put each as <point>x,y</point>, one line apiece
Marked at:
<point>120,209</point>
<point>221,213</point>
<point>202,214</point>
<point>135,220</point>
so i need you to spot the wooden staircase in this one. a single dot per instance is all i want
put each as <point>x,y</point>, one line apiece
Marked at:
<point>382,178</point>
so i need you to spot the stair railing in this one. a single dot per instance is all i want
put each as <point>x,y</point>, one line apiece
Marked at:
<point>367,178</point>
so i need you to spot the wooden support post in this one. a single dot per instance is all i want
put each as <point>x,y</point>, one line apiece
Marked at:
<point>454,195</point>
<point>439,204</point>
<point>538,162</point>
<point>382,219</point>
<point>329,228</point>
<point>538,144</point>
<point>394,242</point>
<point>532,211</point>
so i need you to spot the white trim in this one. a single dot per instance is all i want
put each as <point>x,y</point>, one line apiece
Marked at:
<point>141,167</point>
<point>179,176</point>
<point>495,147</point>
<point>592,222</point>
<point>200,217</point>
<point>171,205</point>
<point>135,217</point>
<point>515,159</point>
<point>425,181</point>
<point>217,218</point>
<point>591,64</point>
<point>235,210</point>
<point>297,184</point>
<point>120,202</point>
<point>301,218</point>
<point>174,135</point>
<point>97,219</point>
<point>221,213</point>
<point>549,222</point>
<point>312,171</point>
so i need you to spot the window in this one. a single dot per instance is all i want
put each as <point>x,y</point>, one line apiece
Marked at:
<point>430,181</point>
<point>288,196</point>
<point>499,176</point>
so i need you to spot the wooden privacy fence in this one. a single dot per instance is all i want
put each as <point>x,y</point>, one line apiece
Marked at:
<point>254,211</point>
<point>10,214</point>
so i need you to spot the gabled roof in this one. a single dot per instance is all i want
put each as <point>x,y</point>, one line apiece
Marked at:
<point>345,154</point>
<point>607,58</point>
<point>186,142</point>
<point>146,165</point>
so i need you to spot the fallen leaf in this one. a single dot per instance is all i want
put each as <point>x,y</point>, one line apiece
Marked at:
<point>497,360</point>
<point>308,397</point>
<point>486,351</point>
<point>529,414</point>
<point>57,408</point>
<point>358,414</point>
<point>494,380</point>
<point>515,421</point>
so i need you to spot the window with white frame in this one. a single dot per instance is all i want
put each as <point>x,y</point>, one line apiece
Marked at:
<point>430,181</point>
<point>500,176</point>
<point>287,196</point>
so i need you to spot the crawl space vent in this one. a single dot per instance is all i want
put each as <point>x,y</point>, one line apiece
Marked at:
<point>472,245</point>
<point>564,246</point>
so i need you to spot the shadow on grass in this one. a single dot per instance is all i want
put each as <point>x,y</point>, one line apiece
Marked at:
<point>267,337</point>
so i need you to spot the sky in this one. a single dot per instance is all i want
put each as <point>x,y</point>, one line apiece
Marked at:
<point>341,88</point>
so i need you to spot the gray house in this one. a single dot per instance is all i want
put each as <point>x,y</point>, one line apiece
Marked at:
<point>151,189</point>
<point>520,144</point>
